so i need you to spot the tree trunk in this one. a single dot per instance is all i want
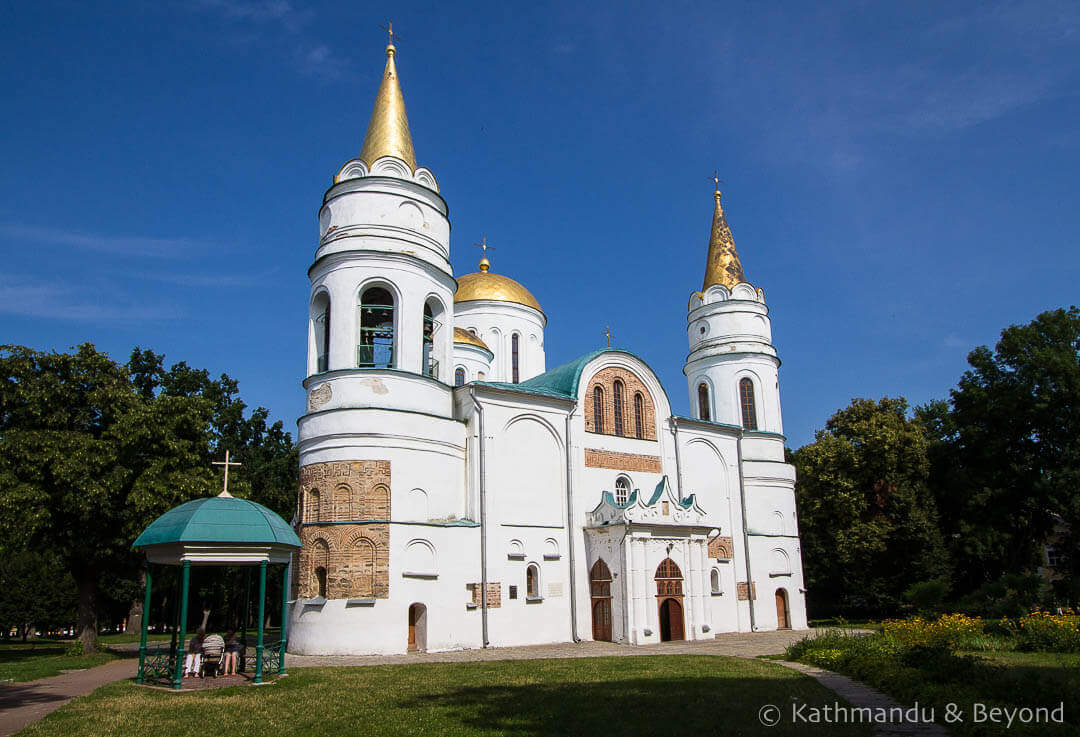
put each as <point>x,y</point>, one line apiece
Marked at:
<point>25,631</point>
<point>205,618</point>
<point>135,611</point>
<point>87,623</point>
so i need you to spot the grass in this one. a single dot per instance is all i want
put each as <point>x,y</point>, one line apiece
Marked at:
<point>646,696</point>
<point>936,675</point>
<point>33,660</point>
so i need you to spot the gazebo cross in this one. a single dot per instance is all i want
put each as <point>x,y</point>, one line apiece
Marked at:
<point>226,463</point>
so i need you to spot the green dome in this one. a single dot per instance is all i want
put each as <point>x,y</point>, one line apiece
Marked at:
<point>218,519</point>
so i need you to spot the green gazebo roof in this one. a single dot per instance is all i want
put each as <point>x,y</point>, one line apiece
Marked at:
<point>219,519</point>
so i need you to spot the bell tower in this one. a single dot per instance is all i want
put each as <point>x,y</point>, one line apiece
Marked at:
<point>732,368</point>
<point>381,282</point>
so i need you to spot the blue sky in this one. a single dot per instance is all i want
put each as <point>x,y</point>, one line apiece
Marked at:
<point>897,176</point>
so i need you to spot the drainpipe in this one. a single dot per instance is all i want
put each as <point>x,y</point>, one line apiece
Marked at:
<point>678,462</point>
<point>571,532</point>
<point>483,518</point>
<point>745,535</point>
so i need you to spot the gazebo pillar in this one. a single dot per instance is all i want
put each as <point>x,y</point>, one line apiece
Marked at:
<point>284,616</point>
<point>262,615</point>
<point>142,634</point>
<point>178,677</point>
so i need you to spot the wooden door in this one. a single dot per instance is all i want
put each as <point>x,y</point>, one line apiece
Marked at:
<point>783,621</point>
<point>412,627</point>
<point>601,619</point>
<point>671,620</point>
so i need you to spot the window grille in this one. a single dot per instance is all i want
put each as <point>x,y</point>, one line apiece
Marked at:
<point>639,416</point>
<point>598,409</point>
<point>375,343</point>
<point>746,401</point>
<point>617,402</point>
<point>668,578</point>
<point>514,357</point>
<point>703,402</point>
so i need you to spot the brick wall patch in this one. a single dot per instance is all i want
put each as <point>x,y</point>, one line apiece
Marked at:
<point>595,458</point>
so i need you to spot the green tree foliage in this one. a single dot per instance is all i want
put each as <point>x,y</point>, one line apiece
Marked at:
<point>37,592</point>
<point>868,521</point>
<point>91,451</point>
<point>1005,452</point>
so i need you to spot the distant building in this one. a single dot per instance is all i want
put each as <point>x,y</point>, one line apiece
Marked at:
<point>455,493</point>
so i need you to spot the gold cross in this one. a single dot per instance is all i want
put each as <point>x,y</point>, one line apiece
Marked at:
<point>226,463</point>
<point>716,178</point>
<point>389,28</point>
<point>483,245</point>
<point>608,334</point>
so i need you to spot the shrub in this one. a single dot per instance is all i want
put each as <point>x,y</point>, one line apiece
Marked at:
<point>75,649</point>
<point>1012,595</point>
<point>928,597</point>
<point>1041,631</point>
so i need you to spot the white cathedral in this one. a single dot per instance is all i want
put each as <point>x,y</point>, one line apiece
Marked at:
<point>456,493</point>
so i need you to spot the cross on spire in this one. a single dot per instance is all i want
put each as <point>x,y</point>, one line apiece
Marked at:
<point>716,178</point>
<point>483,245</point>
<point>226,463</point>
<point>608,334</point>
<point>389,28</point>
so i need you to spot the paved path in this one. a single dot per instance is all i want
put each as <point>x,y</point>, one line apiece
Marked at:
<point>862,696</point>
<point>24,703</point>
<point>745,645</point>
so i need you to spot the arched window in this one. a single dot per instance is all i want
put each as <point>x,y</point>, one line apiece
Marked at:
<point>321,308</point>
<point>746,401</point>
<point>459,376</point>
<point>639,415</point>
<point>514,359</point>
<point>314,508</point>
<point>617,401</point>
<point>622,490</point>
<point>532,581</point>
<point>430,366</point>
<point>600,579</point>
<point>598,409</point>
<point>714,581</point>
<point>320,578</point>
<point>703,402</point>
<point>375,344</point>
<point>668,578</point>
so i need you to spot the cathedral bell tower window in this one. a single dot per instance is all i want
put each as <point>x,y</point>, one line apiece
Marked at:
<point>431,364</point>
<point>703,402</point>
<point>748,405</point>
<point>375,343</point>
<point>321,310</point>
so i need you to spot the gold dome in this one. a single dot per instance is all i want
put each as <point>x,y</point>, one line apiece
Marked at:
<point>461,335</point>
<point>495,287</point>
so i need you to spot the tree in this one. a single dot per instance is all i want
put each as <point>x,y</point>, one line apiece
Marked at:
<point>37,592</point>
<point>86,462</point>
<point>1005,451</point>
<point>868,521</point>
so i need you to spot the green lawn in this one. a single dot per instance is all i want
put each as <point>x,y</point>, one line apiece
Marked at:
<point>645,696</point>
<point>40,659</point>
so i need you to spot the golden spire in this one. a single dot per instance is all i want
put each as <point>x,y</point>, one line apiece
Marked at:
<point>722,266</point>
<point>388,131</point>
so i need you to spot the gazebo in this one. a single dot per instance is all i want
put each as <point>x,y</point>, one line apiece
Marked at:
<point>215,531</point>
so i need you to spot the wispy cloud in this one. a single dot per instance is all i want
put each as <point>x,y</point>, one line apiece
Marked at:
<point>206,280</point>
<point>60,301</point>
<point>281,12</point>
<point>19,234</point>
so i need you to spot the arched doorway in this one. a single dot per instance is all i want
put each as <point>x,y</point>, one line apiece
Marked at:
<point>669,594</point>
<point>783,614</point>
<point>417,628</point>
<point>671,620</point>
<point>600,588</point>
